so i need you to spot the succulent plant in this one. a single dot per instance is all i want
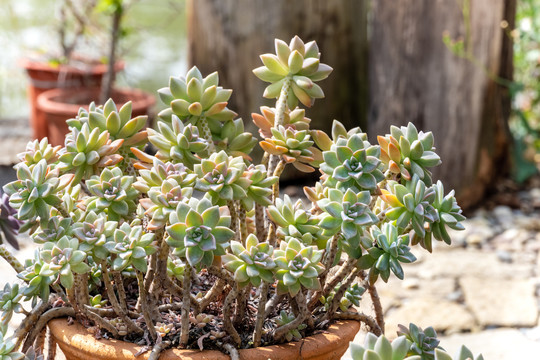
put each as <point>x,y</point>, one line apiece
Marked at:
<point>113,193</point>
<point>293,146</point>
<point>352,163</point>
<point>387,252</point>
<point>87,151</point>
<point>380,348</point>
<point>9,224</point>
<point>161,171</point>
<point>53,230</point>
<point>463,354</point>
<point>234,140</point>
<point>347,212</point>
<point>285,318</point>
<point>131,247</point>
<point>97,301</point>
<point>93,234</point>
<point>199,231</point>
<point>38,282</point>
<point>423,342</point>
<point>297,63</point>
<point>260,187</point>
<point>10,301</point>
<point>410,204</point>
<point>294,221</point>
<point>407,152</point>
<point>297,265</point>
<point>177,143</point>
<point>266,120</point>
<point>352,296</point>
<point>194,97</point>
<point>175,267</point>
<point>250,264</point>
<point>62,259</point>
<point>37,150</point>
<point>221,176</point>
<point>36,190</point>
<point>162,202</point>
<point>448,215</point>
<point>7,349</point>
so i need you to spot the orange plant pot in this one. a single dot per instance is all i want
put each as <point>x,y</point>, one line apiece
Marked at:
<point>78,344</point>
<point>44,76</point>
<point>59,105</point>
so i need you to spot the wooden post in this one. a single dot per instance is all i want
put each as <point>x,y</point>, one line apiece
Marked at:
<point>229,36</point>
<point>414,77</point>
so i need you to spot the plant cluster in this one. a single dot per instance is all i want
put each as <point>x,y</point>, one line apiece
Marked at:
<point>195,242</point>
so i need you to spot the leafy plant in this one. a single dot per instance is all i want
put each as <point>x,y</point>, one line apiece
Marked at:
<point>196,238</point>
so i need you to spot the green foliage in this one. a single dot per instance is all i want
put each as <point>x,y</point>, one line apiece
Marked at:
<point>62,259</point>
<point>423,342</point>
<point>132,247</point>
<point>294,334</point>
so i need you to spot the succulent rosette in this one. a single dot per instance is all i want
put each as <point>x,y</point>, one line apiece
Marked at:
<point>194,97</point>
<point>423,342</point>
<point>266,120</point>
<point>250,264</point>
<point>352,163</point>
<point>380,348</point>
<point>221,176</point>
<point>93,234</point>
<point>37,150</point>
<point>199,231</point>
<point>175,268</point>
<point>161,171</point>
<point>162,202</point>
<point>7,349</point>
<point>296,63</point>
<point>113,193</point>
<point>293,146</point>
<point>297,265</point>
<point>132,247</point>
<point>407,152</point>
<point>88,151</point>
<point>294,221</point>
<point>53,230</point>
<point>62,259</point>
<point>177,143</point>
<point>10,301</point>
<point>232,139</point>
<point>36,190</point>
<point>260,187</point>
<point>117,122</point>
<point>386,252</point>
<point>38,283</point>
<point>285,318</point>
<point>347,212</point>
<point>410,204</point>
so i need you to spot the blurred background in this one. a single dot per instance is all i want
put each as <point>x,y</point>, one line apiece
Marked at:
<point>468,70</point>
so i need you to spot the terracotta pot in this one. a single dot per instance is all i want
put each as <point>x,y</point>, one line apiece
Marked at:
<point>78,344</point>
<point>59,105</point>
<point>44,76</point>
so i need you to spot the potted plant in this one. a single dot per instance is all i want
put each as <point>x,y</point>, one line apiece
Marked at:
<point>194,248</point>
<point>67,68</point>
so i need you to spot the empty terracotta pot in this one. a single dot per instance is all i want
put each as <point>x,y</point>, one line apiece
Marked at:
<point>59,105</point>
<point>78,344</point>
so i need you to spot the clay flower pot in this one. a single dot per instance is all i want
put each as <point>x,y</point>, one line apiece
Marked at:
<point>44,76</point>
<point>78,344</point>
<point>59,105</point>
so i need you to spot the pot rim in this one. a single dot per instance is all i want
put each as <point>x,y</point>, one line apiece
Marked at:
<point>94,67</point>
<point>316,346</point>
<point>49,101</point>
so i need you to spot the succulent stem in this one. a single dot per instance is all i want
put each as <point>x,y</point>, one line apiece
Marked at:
<point>186,286</point>
<point>281,104</point>
<point>91,313</point>
<point>117,276</point>
<point>11,260</point>
<point>340,292</point>
<point>343,271</point>
<point>330,257</point>
<point>211,294</point>
<point>301,302</point>
<point>376,300</point>
<point>29,322</point>
<point>222,274</point>
<point>42,322</point>
<point>259,322</point>
<point>270,305</point>
<point>277,172</point>
<point>39,343</point>
<point>51,346</point>
<point>227,315</point>
<point>234,217</point>
<point>207,134</point>
<point>233,352</point>
<point>284,329</point>
<point>157,349</point>
<point>241,304</point>
<point>174,289</point>
<point>143,295</point>
<point>120,311</point>
<point>242,221</point>
<point>366,319</point>
<point>109,312</point>
<point>260,221</point>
